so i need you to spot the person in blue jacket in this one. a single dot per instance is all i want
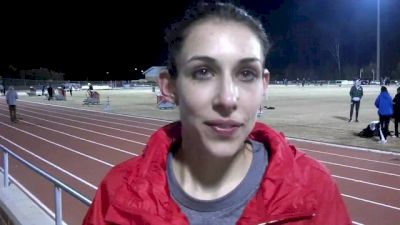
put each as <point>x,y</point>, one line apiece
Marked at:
<point>385,110</point>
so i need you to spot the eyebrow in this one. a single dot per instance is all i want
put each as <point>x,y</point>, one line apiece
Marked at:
<point>213,61</point>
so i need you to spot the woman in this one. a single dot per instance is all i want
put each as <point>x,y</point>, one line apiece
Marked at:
<point>217,165</point>
<point>385,111</point>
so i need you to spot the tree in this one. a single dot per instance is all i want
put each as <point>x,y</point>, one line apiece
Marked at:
<point>334,50</point>
<point>396,72</point>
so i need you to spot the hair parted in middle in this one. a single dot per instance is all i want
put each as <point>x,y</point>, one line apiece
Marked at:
<point>201,11</point>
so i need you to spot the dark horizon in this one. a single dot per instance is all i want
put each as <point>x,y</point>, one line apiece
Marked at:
<point>85,42</point>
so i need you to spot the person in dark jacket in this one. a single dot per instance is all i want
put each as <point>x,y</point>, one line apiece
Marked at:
<point>396,112</point>
<point>385,110</point>
<point>217,165</point>
<point>356,93</point>
<point>50,92</point>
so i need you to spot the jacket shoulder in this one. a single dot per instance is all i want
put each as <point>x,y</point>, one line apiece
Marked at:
<point>120,173</point>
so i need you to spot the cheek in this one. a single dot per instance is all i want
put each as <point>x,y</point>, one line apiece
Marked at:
<point>251,98</point>
<point>192,102</point>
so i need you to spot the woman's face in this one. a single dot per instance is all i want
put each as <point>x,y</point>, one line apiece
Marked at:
<point>220,85</point>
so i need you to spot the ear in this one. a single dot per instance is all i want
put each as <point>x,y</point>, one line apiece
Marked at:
<point>167,86</point>
<point>265,81</point>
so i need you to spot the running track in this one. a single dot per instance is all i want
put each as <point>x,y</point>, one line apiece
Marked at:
<point>79,147</point>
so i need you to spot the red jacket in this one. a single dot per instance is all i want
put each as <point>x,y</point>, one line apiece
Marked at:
<point>296,189</point>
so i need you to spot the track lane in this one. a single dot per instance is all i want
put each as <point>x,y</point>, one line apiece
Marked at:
<point>357,207</point>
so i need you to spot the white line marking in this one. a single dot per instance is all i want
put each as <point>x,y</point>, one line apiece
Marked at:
<point>365,182</point>
<point>83,139</point>
<point>51,164</point>
<point>112,128</point>
<point>345,146</point>
<point>357,223</point>
<point>63,124</point>
<point>88,118</point>
<point>372,202</point>
<point>359,168</point>
<point>351,157</point>
<point>119,114</point>
<point>56,144</point>
<point>109,117</point>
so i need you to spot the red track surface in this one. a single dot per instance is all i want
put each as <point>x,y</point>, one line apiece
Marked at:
<point>79,147</point>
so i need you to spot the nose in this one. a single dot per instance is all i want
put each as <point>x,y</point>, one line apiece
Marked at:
<point>226,98</point>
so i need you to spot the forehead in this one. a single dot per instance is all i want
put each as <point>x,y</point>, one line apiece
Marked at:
<point>217,38</point>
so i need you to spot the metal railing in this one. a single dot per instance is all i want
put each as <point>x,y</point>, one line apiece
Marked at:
<point>58,185</point>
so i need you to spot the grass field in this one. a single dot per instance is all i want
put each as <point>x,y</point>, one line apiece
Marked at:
<point>312,112</point>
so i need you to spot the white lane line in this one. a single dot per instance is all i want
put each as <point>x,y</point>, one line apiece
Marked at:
<point>79,128</point>
<point>87,118</point>
<point>61,146</point>
<point>109,117</point>
<point>82,139</point>
<point>111,128</point>
<point>372,202</point>
<point>346,146</point>
<point>88,110</point>
<point>351,157</point>
<point>365,182</point>
<point>359,168</point>
<point>50,163</point>
<point>63,124</point>
<point>357,223</point>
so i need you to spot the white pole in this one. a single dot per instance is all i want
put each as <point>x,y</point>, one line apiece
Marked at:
<point>5,163</point>
<point>378,42</point>
<point>58,204</point>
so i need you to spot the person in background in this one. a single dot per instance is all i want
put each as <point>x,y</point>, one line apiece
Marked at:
<point>396,112</point>
<point>50,92</point>
<point>356,93</point>
<point>385,110</point>
<point>217,165</point>
<point>43,89</point>
<point>11,98</point>
<point>2,89</point>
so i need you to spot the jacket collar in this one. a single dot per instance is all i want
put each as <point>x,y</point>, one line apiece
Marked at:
<point>146,193</point>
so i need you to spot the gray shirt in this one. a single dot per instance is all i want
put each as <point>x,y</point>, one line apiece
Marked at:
<point>11,97</point>
<point>229,208</point>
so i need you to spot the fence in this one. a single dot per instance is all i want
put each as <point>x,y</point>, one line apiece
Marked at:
<point>25,84</point>
<point>58,185</point>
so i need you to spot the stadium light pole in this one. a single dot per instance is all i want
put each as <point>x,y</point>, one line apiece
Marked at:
<point>378,42</point>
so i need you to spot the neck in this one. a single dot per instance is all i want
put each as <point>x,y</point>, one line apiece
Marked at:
<point>204,176</point>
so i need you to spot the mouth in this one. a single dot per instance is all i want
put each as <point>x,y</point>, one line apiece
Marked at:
<point>223,128</point>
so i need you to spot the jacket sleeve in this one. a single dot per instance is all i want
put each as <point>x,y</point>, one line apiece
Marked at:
<point>331,207</point>
<point>97,211</point>
<point>377,102</point>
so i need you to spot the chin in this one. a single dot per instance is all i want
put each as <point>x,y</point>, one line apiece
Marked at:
<point>224,148</point>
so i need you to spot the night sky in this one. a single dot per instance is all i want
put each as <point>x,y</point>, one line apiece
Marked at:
<point>85,41</point>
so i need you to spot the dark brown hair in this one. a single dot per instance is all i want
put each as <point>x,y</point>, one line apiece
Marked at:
<point>176,33</point>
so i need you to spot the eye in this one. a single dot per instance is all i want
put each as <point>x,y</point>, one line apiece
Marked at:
<point>202,74</point>
<point>247,75</point>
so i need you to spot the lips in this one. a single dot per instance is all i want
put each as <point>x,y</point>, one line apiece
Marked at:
<point>224,128</point>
